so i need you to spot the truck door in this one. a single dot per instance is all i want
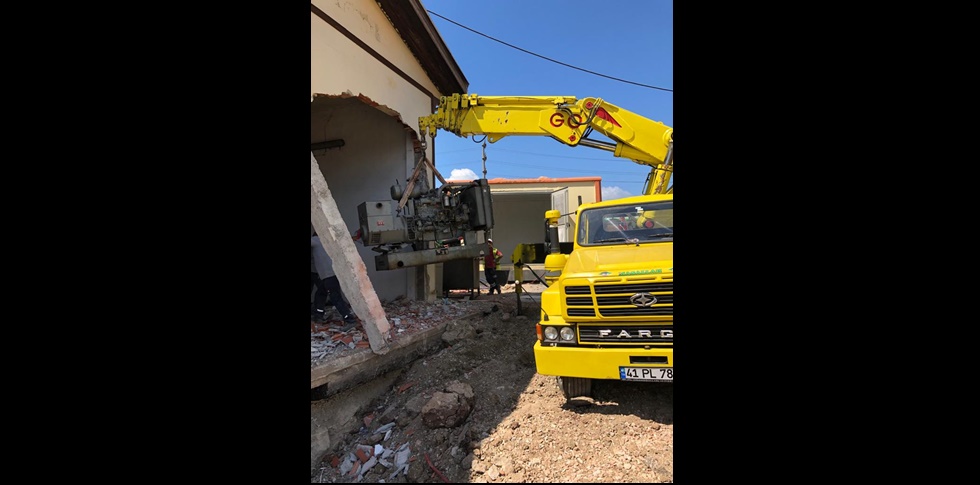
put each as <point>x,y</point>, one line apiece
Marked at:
<point>559,202</point>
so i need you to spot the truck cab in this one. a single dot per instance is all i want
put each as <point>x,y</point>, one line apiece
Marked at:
<point>610,314</point>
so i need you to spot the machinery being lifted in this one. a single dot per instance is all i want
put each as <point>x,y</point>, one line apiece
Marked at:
<point>608,311</point>
<point>452,217</point>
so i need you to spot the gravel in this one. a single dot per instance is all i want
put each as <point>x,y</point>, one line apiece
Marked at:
<point>520,429</point>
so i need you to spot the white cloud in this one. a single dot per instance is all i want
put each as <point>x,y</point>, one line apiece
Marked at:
<point>462,174</point>
<point>609,193</point>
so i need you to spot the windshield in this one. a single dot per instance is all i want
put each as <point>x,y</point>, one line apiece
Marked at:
<point>631,224</point>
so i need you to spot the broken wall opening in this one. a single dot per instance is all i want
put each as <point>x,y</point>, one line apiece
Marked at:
<point>371,149</point>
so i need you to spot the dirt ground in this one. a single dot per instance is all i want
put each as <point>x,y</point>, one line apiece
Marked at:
<point>520,427</point>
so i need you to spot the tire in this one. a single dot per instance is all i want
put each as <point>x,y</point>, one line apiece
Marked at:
<point>573,387</point>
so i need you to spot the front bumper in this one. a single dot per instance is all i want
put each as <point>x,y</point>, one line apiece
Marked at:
<point>597,363</point>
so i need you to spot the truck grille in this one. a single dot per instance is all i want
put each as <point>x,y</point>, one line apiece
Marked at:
<point>612,299</point>
<point>626,334</point>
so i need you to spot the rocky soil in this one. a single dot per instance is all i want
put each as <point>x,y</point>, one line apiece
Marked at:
<point>476,411</point>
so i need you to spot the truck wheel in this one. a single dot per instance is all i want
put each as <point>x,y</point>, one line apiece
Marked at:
<point>575,387</point>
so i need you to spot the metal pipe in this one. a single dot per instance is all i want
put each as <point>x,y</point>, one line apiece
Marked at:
<point>611,147</point>
<point>407,259</point>
<point>325,145</point>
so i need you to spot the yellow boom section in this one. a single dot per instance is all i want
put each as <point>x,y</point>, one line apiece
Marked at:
<point>564,118</point>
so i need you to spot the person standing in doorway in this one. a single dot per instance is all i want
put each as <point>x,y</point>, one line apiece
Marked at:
<point>314,279</point>
<point>490,261</point>
<point>328,286</point>
<point>314,282</point>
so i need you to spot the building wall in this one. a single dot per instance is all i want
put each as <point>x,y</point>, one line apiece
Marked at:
<point>375,152</point>
<point>518,218</point>
<point>519,207</point>
<point>357,98</point>
<point>338,65</point>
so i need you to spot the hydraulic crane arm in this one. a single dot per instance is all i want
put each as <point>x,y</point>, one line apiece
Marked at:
<point>564,118</point>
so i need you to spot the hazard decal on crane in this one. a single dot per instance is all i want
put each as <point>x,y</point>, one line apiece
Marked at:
<point>603,114</point>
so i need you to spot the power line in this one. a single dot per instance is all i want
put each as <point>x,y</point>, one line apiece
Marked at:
<point>548,58</point>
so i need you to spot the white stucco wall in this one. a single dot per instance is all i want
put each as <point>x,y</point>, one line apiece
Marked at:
<point>378,150</point>
<point>338,65</point>
<point>518,213</point>
<point>518,218</point>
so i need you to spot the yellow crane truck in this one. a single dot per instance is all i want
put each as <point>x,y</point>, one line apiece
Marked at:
<point>608,310</point>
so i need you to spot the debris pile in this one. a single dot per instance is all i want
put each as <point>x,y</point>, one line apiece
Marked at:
<point>327,340</point>
<point>383,453</point>
<point>364,458</point>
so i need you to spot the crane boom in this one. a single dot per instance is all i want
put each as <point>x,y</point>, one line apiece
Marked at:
<point>564,118</point>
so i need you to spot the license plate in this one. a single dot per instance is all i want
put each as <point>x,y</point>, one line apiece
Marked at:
<point>660,374</point>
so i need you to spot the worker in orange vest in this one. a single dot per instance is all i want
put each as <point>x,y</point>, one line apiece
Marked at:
<point>491,259</point>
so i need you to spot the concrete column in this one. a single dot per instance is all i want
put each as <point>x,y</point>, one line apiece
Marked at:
<point>347,262</point>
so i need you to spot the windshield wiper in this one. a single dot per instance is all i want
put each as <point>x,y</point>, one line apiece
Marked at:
<point>619,239</point>
<point>655,236</point>
<point>612,239</point>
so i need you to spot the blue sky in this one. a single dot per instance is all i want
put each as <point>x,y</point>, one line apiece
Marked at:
<point>630,40</point>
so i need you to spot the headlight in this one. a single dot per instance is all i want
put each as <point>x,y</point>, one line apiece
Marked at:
<point>567,333</point>
<point>550,333</point>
